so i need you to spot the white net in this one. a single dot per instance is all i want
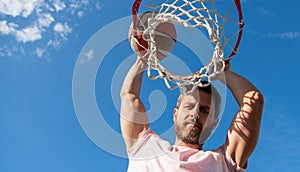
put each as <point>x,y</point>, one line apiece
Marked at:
<point>191,14</point>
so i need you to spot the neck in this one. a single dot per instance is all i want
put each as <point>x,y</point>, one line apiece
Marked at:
<point>179,142</point>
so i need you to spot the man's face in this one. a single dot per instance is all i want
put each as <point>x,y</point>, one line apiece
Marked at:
<point>194,115</point>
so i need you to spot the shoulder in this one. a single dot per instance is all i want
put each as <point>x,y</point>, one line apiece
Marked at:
<point>149,144</point>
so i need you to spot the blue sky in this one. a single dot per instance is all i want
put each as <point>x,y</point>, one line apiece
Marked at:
<point>51,83</point>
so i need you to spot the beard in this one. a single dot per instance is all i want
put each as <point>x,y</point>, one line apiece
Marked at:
<point>188,134</point>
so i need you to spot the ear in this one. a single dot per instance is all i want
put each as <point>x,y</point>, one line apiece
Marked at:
<point>175,114</point>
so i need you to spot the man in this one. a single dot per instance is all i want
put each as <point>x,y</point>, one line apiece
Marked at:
<point>195,117</point>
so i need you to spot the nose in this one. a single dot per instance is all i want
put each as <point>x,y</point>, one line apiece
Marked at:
<point>194,113</point>
<point>195,116</point>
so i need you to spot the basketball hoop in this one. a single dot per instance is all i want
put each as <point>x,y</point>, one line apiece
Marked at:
<point>213,17</point>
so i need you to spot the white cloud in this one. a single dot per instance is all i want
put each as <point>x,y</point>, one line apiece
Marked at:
<point>54,43</point>
<point>40,51</point>
<point>263,11</point>
<point>75,5</point>
<point>62,29</point>
<point>80,14</point>
<point>7,28</point>
<point>284,35</point>
<point>29,34</point>
<point>90,55</point>
<point>98,6</point>
<point>18,7</point>
<point>58,5</point>
<point>45,20</point>
<point>49,43</point>
<point>58,27</point>
<point>6,51</point>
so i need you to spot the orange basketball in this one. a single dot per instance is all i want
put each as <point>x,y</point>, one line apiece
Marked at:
<point>165,37</point>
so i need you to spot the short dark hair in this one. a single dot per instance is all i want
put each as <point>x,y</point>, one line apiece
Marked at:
<point>210,89</point>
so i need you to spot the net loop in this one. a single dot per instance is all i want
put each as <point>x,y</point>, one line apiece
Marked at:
<point>191,14</point>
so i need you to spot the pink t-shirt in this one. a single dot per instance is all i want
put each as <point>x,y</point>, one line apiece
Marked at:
<point>152,154</point>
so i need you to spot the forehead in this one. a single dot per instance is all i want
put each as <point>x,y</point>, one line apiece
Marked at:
<point>197,96</point>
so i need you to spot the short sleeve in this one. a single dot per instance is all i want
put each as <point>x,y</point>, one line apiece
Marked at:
<point>145,137</point>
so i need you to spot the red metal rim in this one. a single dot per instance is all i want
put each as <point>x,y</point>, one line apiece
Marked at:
<point>137,3</point>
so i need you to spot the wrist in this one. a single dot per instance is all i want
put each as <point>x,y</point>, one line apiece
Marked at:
<point>225,79</point>
<point>139,66</point>
<point>141,63</point>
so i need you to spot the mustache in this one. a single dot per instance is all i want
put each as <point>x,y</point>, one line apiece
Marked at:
<point>195,122</point>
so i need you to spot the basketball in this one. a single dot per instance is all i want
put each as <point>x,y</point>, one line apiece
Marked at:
<point>165,37</point>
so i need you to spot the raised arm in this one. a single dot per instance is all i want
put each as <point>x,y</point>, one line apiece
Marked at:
<point>133,115</point>
<point>243,133</point>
